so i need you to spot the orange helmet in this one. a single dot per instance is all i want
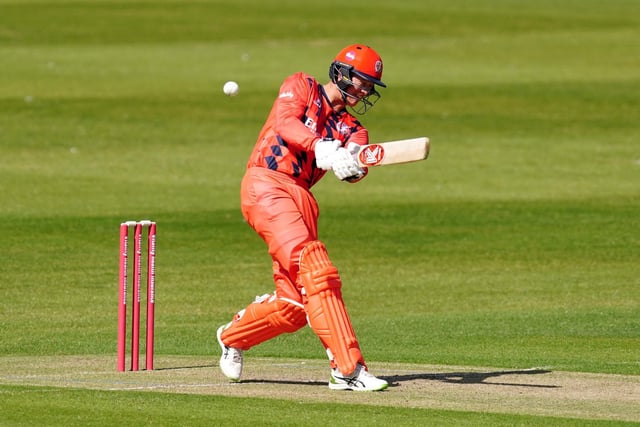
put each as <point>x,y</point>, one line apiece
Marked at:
<point>361,61</point>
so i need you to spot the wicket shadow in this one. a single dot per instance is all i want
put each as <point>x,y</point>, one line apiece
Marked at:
<point>469,378</point>
<point>248,380</point>
<point>176,368</point>
<point>284,382</point>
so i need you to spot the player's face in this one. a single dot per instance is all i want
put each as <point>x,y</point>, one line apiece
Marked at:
<point>358,90</point>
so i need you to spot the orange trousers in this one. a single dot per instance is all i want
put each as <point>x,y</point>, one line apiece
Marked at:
<point>285,215</point>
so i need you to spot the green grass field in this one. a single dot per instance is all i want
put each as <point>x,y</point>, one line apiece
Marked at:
<point>515,245</point>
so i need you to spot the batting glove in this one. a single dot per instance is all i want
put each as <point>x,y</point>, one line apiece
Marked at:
<point>325,149</point>
<point>345,167</point>
<point>354,149</point>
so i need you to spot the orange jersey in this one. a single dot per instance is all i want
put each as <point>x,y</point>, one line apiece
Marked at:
<point>299,117</point>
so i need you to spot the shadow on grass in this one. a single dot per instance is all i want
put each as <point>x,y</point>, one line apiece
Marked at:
<point>448,377</point>
<point>470,378</point>
<point>395,380</point>
<point>175,368</point>
<point>284,382</point>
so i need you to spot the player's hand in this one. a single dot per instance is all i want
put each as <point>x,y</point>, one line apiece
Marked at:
<point>345,166</point>
<point>325,150</point>
<point>354,149</point>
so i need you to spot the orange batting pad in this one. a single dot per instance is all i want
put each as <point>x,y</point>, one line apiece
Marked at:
<point>265,318</point>
<point>325,308</point>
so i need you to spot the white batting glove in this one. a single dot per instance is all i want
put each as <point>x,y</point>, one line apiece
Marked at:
<point>325,149</point>
<point>354,149</point>
<point>345,167</point>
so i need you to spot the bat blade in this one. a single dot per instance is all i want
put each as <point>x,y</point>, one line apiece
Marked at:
<point>394,152</point>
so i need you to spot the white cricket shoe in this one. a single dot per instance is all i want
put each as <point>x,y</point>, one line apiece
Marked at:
<point>231,359</point>
<point>360,380</point>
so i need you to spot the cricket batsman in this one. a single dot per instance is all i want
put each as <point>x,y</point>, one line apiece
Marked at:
<point>308,132</point>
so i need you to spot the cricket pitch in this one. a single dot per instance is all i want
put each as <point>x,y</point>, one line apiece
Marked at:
<point>531,391</point>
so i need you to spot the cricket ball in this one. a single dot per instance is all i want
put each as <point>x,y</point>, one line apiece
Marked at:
<point>231,88</point>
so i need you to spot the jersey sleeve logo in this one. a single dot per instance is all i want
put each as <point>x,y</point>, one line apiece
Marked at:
<point>371,155</point>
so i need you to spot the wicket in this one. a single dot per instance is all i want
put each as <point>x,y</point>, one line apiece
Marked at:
<point>122,293</point>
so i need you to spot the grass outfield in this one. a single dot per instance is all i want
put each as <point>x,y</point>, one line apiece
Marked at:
<point>513,247</point>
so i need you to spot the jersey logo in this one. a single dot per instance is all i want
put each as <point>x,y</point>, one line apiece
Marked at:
<point>371,155</point>
<point>343,128</point>
<point>286,94</point>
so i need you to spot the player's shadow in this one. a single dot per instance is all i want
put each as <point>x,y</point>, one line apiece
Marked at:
<point>469,378</point>
<point>447,377</point>
<point>395,380</point>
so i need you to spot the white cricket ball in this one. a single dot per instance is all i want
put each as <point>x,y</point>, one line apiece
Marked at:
<point>231,88</point>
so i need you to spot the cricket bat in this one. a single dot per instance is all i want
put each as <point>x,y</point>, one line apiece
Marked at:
<point>393,152</point>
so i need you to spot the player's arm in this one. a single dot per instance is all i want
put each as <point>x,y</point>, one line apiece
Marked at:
<point>290,108</point>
